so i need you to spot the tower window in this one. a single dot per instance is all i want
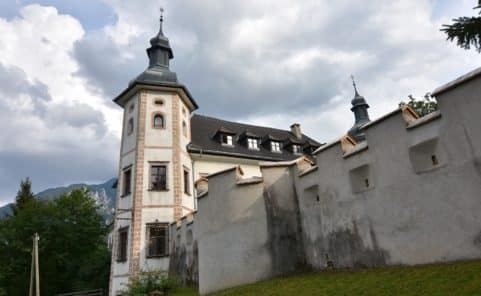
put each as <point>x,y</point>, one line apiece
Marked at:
<point>275,146</point>
<point>434,160</point>
<point>157,240</point>
<point>158,121</point>
<point>127,182</point>
<point>253,143</point>
<point>226,140</point>
<point>130,126</point>
<point>122,244</point>
<point>131,108</point>
<point>184,128</point>
<point>158,177</point>
<point>159,102</point>
<point>186,182</point>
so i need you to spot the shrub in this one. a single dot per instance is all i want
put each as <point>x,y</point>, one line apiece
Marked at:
<point>149,282</point>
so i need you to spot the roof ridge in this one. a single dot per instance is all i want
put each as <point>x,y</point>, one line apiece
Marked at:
<point>245,124</point>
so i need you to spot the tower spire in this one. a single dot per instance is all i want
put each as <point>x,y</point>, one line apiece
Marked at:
<point>361,116</point>
<point>354,84</point>
<point>161,33</point>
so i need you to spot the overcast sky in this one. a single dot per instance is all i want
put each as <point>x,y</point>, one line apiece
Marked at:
<point>270,62</point>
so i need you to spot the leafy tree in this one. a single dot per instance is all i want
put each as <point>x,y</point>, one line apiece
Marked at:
<point>422,106</point>
<point>151,283</point>
<point>73,252</point>
<point>465,30</point>
<point>24,196</point>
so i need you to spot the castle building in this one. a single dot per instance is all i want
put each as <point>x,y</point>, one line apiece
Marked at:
<point>166,154</point>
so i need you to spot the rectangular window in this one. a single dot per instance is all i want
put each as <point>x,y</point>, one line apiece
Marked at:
<point>186,182</point>
<point>158,177</point>
<point>296,149</point>
<point>157,240</point>
<point>226,140</point>
<point>252,144</point>
<point>127,182</point>
<point>275,146</point>
<point>122,244</point>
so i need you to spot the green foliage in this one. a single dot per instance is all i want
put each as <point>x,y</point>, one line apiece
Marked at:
<point>152,281</point>
<point>24,196</point>
<point>466,31</point>
<point>422,106</point>
<point>73,252</point>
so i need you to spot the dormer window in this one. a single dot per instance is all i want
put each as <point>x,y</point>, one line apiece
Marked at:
<point>296,149</point>
<point>226,140</point>
<point>275,146</point>
<point>253,143</point>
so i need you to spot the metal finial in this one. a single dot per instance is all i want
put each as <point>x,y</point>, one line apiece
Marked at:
<point>354,84</point>
<point>161,33</point>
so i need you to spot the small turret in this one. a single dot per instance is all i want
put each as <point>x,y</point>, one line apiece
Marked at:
<point>361,116</point>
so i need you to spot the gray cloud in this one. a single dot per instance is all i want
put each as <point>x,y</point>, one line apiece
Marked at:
<point>244,58</point>
<point>53,144</point>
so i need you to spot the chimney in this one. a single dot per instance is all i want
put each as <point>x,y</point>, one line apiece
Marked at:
<point>296,130</point>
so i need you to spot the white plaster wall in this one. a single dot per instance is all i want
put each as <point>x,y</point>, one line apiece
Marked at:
<point>232,235</point>
<point>158,137</point>
<point>119,284</point>
<point>158,197</point>
<point>153,215</point>
<point>208,164</point>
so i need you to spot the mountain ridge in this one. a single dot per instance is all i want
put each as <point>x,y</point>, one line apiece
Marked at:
<point>103,194</point>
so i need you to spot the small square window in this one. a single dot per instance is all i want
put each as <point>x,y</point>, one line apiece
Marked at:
<point>275,146</point>
<point>157,240</point>
<point>253,143</point>
<point>226,140</point>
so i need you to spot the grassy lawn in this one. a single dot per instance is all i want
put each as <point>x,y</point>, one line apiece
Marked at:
<point>463,278</point>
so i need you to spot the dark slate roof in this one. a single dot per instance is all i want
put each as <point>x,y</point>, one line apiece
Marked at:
<point>204,130</point>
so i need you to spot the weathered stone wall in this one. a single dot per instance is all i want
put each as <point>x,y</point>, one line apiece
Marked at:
<point>410,194</point>
<point>184,259</point>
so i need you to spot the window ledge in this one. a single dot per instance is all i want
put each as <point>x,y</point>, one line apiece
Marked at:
<point>157,190</point>
<point>125,195</point>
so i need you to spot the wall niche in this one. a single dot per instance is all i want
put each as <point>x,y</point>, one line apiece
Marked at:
<point>426,156</point>
<point>361,178</point>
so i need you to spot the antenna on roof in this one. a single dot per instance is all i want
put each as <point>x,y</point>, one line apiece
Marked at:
<point>161,14</point>
<point>354,84</point>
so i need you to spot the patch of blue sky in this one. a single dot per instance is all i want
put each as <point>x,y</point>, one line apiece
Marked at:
<point>92,14</point>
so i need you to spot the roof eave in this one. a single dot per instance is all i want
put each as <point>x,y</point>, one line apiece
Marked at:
<point>159,86</point>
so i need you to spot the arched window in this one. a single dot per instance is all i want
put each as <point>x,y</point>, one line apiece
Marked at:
<point>158,121</point>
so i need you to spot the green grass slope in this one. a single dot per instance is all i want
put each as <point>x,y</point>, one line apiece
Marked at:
<point>462,278</point>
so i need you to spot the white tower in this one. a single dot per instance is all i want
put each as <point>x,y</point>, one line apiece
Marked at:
<point>155,171</point>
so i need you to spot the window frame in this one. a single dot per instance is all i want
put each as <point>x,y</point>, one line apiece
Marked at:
<point>297,149</point>
<point>227,137</point>
<point>186,181</point>
<point>130,126</point>
<point>250,141</point>
<point>120,248</point>
<point>276,147</point>
<point>159,164</point>
<point>126,170</point>
<point>148,236</point>
<point>154,115</point>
